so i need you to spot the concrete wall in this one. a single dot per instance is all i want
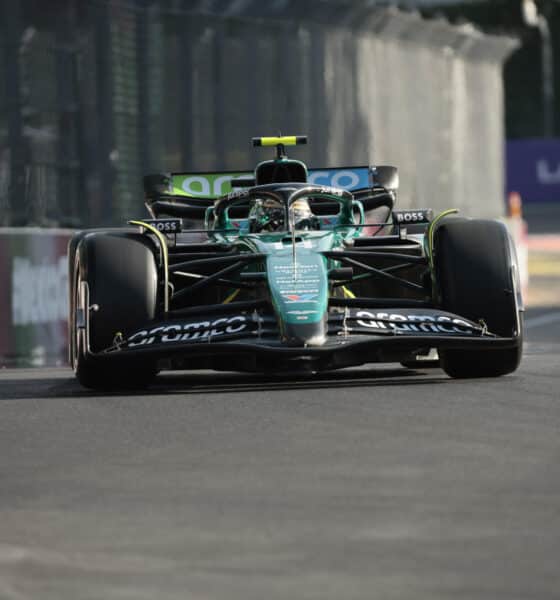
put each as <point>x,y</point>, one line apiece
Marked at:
<point>121,89</point>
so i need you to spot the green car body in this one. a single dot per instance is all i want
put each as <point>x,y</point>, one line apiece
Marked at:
<point>359,283</point>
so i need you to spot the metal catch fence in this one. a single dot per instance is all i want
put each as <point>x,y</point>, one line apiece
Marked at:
<point>98,93</point>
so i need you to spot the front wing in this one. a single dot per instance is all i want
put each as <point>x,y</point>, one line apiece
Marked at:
<point>251,340</point>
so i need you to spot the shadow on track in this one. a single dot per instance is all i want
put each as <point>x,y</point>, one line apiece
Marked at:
<point>183,383</point>
<point>63,385</point>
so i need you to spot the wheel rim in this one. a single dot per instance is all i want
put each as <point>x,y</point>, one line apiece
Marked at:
<point>77,333</point>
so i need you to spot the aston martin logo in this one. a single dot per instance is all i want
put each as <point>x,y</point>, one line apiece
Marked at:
<point>300,297</point>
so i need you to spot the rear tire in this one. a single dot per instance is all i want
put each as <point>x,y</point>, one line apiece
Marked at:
<point>476,280</point>
<point>121,276</point>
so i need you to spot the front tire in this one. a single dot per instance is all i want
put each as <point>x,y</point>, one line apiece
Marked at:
<point>118,273</point>
<point>476,273</point>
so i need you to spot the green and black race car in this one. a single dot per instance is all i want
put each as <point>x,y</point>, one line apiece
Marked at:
<point>290,270</point>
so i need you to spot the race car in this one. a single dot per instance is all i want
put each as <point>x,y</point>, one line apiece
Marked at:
<point>290,269</point>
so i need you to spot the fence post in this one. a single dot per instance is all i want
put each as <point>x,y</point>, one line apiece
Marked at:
<point>103,46</point>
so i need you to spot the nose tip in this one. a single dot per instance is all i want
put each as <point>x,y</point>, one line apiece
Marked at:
<point>306,334</point>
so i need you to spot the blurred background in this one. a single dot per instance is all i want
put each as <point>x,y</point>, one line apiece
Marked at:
<point>460,95</point>
<point>99,92</point>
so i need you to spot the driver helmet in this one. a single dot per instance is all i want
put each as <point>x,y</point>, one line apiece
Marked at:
<point>266,215</point>
<point>302,215</point>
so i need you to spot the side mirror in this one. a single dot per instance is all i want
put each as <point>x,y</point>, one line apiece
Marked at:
<point>386,177</point>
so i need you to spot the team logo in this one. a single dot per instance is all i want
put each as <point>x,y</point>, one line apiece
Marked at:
<point>411,322</point>
<point>300,297</point>
<point>188,332</point>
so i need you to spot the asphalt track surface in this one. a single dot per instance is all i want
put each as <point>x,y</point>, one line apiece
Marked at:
<point>367,483</point>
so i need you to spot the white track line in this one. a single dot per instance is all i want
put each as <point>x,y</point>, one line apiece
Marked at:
<point>542,320</point>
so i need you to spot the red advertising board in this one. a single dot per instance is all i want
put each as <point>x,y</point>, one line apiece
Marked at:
<point>33,296</point>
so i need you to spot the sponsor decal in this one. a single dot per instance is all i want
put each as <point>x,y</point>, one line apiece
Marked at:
<point>205,185</point>
<point>210,185</point>
<point>412,216</point>
<point>303,315</point>
<point>420,323</point>
<point>332,191</point>
<point>213,185</point>
<point>353,178</point>
<point>299,297</point>
<point>238,194</point>
<point>165,225</point>
<point>188,332</point>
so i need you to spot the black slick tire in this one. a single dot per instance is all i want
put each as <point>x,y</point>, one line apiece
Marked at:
<point>120,274</point>
<point>475,279</point>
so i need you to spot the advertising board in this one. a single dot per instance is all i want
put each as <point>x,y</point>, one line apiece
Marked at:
<point>33,296</point>
<point>533,170</point>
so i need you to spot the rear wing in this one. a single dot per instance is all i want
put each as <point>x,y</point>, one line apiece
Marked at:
<point>189,194</point>
<point>214,185</point>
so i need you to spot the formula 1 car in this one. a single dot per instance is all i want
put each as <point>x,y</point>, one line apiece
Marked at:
<point>290,270</point>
